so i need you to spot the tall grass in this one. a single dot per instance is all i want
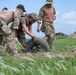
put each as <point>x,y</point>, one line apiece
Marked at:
<point>38,66</point>
<point>58,65</point>
<point>64,44</point>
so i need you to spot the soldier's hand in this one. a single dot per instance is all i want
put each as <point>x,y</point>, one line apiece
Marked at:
<point>34,38</point>
<point>38,29</point>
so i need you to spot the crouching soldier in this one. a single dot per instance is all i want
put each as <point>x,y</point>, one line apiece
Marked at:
<point>2,39</point>
<point>25,27</point>
<point>7,17</point>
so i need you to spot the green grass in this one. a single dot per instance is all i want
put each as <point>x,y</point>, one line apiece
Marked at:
<point>64,44</point>
<point>38,66</point>
<point>59,65</point>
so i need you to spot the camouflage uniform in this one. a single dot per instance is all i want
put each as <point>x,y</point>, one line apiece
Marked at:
<point>47,16</point>
<point>2,39</point>
<point>26,20</point>
<point>7,17</point>
<point>20,32</point>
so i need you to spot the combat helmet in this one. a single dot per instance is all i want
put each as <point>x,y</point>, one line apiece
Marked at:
<point>49,1</point>
<point>34,16</point>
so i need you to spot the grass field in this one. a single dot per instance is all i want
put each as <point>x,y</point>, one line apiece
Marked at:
<point>59,65</point>
<point>64,44</point>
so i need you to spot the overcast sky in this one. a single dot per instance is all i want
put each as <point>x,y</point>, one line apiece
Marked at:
<point>65,12</point>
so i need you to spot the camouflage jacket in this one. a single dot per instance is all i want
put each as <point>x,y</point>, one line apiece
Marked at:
<point>46,14</point>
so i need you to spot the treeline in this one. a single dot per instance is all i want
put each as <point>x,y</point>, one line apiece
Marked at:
<point>60,35</point>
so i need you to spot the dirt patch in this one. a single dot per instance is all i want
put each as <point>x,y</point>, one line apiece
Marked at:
<point>66,53</point>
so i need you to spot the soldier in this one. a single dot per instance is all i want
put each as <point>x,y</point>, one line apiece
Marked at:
<point>7,17</point>
<point>25,26</point>
<point>47,14</point>
<point>2,40</point>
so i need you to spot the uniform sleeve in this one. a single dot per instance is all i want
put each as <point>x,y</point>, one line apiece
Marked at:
<point>16,21</point>
<point>54,16</point>
<point>41,13</point>
<point>54,12</point>
<point>23,20</point>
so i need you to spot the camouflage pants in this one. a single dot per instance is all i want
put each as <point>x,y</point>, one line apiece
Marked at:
<point>10,39</point>
<point>49,31</point>
<point>2,39</point>
<point>20,36</point>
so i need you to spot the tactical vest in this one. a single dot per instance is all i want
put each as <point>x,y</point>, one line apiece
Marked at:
<point>48,14</point>
<point>27,20</point>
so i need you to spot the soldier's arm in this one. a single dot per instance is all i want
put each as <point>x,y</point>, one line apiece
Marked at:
<point>26,30</point>
<point>41,13</point>
<point>16,21</point>
<point>23,23</point>
<point>54,13</point>
<point>38,26</point>
<point>30,28</point>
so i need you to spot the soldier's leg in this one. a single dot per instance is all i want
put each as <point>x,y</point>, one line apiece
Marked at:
<point>22,39</point>
<point>51,37</point>
<point>1,39</point>
<point>4,41</point>
<point>50,40</point>
<point>50,33</point>
<point>10,39</point>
